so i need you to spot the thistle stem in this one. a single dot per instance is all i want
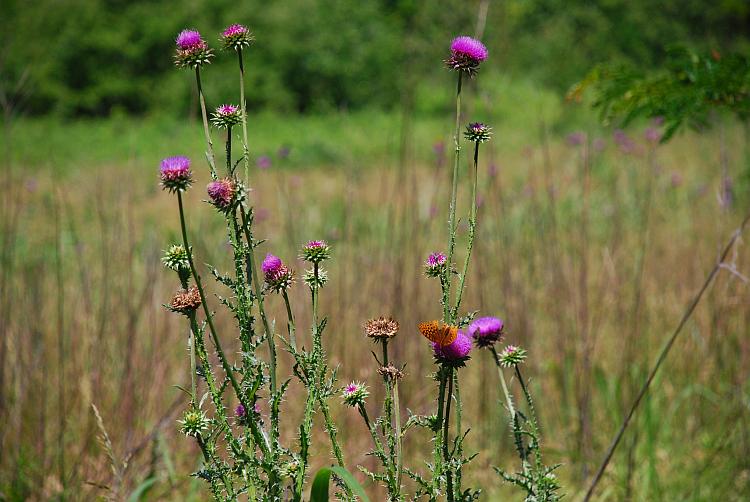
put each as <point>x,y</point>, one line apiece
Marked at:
<point>204,116</point>
<point>503,384</point>
<point>472,229</point>
<point>243,106</point>
<point>447,317</point>
<point>446,424</point>
<point>290,321</point>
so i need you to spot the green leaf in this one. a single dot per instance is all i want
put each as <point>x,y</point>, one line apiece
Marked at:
<point>141,490</point>
<point>319,492</point>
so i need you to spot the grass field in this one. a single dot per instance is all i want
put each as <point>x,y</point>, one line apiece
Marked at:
<point>590,252</point>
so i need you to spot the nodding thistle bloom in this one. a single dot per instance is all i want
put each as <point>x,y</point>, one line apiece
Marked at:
<point>278,276</point>
<point>512,356</point>
<point>478,132</point>
<point>466,55</point>
<point>176,258</point>
<point>486,331</point>
<point>435,264</point>
<point>316,251</point>
<point>355,394</point>
<point>192,50</point>
<point>381,329</point>
<point>175,174</point>
<point>456,353</point>
<point>226,116</point>
<point>186,301</point>
<point>236,36</point>
<point>222,193</point>
<point>193,423</point>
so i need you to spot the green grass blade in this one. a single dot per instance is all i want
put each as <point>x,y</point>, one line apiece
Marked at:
<point>321,482</point>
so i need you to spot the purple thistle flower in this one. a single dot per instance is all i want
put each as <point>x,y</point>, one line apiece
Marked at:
<point>486,330</point>
<point>236,36</point>
<point>276,274</point>
<point>175,174</point>
<point>190,39</point>
<point>264,162</point>
<point>240,411</point>
<point>652,135</point>
<point>221,193</point>
<point>233,30</point>
<point>576,138</point>
<point>271,264</point>
<point>226,116</point>
<point>466,55</point>
<point>435,264</point>
<point>456,352</point>
<point>227,109</point>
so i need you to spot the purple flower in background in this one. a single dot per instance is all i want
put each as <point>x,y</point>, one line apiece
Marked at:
<point>438,148</point>
<point>466,55</point>
<point>283,152</point>
<point>599,144</point>
<point>175,174</point>
<point>190,39</point>
<point>576,138</point>
<point>486,330</point>
<point>492,170</point>
<point>625,142</point>
<point>455,352</point>
<point>240,411</point>
<point>264,162</point>
<point>261,214</point>
<point>652,135</point>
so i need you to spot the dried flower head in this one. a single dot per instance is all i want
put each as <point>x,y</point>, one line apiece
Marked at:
<point>192,50</point>
<point>381,329</point>
<point>278,276</point>
<point>221,193</point>
<point>478,132</point>
<point>226,116</point>
<point>175,174</point>
<point>236,36</point>
<point>512,356</point>
<point>391,373</point>
<point>176,258</point>
<point>435,264</point>
<point>454,354</point>
<point>355,394</point>
<point>194,422</point>
<point>466,55</point>
<point>486,331</point>
<point>316,251</point>
<point>186,301</point>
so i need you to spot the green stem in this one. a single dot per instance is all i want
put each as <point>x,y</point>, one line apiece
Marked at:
<point>290,321</point>
<point>206,132</point>
<point>229,151</point>
<point>191,352</point>
<point>503,384</point>
<point>245,147</point>
<point>446,424</point>
<point>452,210</point>
<point>399,446</point>
<point>438,437</point>
<point>472,229</point>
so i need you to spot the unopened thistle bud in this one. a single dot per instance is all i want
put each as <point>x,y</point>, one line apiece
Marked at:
<point>435,264</point>
<point>194,422</point>
<point>454,354</point>
<point>175,174</point>
<point>226,116</point>
<point>355,394</point>
<point>316,251</point>
<point>315,281</point>
<point>236,37</point>
<point>186,301</point>
<point>478,132</point>
<point>192,51</point>
<point>381,329</point>
<point>512,356</point>
<point>222,193</point>
<point>176,258</point>
<point>466,55</point>
<point>486,331</point>
<point>278,276</point>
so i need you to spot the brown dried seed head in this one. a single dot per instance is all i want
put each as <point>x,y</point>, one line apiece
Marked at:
<point>381,328</point>
<point>390,372</point>
<point>186,300</point>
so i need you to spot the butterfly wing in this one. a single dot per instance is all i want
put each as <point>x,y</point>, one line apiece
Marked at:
<point>437,332</point>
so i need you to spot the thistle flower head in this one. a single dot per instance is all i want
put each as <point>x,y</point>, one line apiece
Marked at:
<point>236,36</point>
<point>185,301</point>
<point>486,331</point>
<point>316,251</point>
<point>175,174</point>
<point>391,373</point>
<point>315,281</point>
<point>381,329</point>
<point>512,356</point>
<point>355,394</point>
<point>277,276</point>
<point>226,116</point>
<point>478,132</point>
<point>221,193</point>
<point>435,264</point>
<point>176,258</point>
<point>192,50</point>
<point>454,354</point>
<point>194,422</point>
<point>466,55</point>
<point>240,411</point>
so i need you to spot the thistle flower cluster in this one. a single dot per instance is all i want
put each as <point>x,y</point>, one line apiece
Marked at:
<point>226,116</point>
<point>235,37</point>
<point>435,265</point>
<point>355,394</point>
<point>477,132</point>
<point>466,55</point>
<point>192,51</point>
<point>175,174</point>
<point>486,331</point>
<point>222,193</point>
<point>278,277</point>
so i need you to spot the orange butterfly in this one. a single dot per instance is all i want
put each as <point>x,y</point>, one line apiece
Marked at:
<point>438,332</point>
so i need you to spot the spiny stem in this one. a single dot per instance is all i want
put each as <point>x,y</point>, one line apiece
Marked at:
<point>243,106</point>
<point>290,321</point>
<point>204,116</point>
<point>452,210</point>
<point>472,229</point>
<point>503,384</point>
<point>446,423</point>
